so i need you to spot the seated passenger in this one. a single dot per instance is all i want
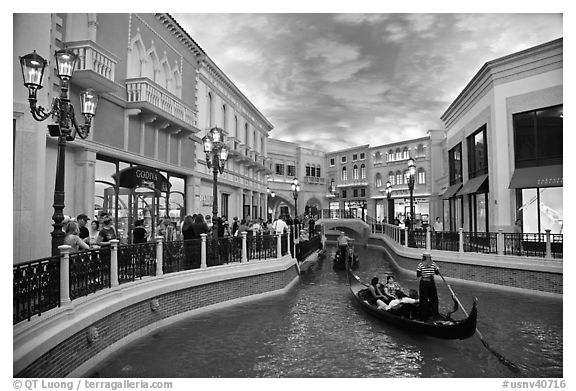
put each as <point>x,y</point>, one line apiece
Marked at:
<point>376,297</point>
<point>392,288</point>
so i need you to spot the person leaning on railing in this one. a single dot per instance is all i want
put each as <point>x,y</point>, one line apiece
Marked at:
<point>72,239</point>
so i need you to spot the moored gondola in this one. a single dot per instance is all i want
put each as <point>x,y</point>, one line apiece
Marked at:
<point>445,327</point>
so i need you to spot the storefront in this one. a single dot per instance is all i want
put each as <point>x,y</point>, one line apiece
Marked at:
<point>130,192</point>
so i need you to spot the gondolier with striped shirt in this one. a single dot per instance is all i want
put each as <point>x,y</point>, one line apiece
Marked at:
<point>426,270</point>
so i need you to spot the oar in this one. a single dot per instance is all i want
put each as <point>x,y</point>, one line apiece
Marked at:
<point>513,367</point>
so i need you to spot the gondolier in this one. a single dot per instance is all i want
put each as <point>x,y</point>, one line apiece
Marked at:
<point>426,270</point>
<point>343,246</point>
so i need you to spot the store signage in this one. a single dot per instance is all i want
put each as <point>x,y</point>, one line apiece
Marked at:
<point>139,176</point>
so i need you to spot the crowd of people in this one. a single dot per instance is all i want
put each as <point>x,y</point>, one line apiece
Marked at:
<point>101,230</point>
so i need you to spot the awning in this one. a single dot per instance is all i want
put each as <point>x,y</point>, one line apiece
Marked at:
<point>531,177</point>
<point>475,185</point>
<point>449,193</point>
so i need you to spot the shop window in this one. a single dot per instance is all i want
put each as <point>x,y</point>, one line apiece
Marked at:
<point>455,164</point>
<point>538,137</point>
<point>541,209</point>
<point>477,153</point>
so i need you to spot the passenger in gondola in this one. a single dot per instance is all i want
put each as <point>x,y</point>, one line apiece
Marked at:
<point>375,296</point>
<point>426,270</point>
<point>392,288</point>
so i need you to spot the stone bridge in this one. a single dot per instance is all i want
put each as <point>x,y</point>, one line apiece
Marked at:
<point>354,228</point>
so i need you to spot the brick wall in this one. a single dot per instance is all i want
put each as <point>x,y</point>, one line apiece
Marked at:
<point>517,278</point>
<point>71,353</point>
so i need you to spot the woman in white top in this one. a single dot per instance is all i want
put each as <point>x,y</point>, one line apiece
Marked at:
<point>72,239</point>
<point>93,231</point>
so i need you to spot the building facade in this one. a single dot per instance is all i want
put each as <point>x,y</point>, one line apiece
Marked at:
<point>288,161</point>
<point>504,138</point>
<point>159,93</point>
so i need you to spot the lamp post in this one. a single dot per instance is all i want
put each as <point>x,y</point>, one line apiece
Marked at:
<point>65,127</point>
<point>411,172</point>
<point>389,198</point>
<point>295,189</point>
<point>271,195</point>
<point>216,156</point>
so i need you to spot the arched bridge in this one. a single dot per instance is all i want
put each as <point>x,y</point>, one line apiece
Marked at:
<point>355,228</point>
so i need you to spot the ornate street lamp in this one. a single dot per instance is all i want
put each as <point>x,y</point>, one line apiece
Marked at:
<point>295,190</point>
<point>411,173</point>
<point>389,197</point>
<point>65,127</point>
<point>216,157</point>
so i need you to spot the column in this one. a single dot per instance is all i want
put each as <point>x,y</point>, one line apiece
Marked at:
<point>114,263</point>
<point>203,264</point>
<point>159,257</point>
<point>461,240</point>
<point>500,241</point>
<point>85,175</point>
<point>64,274</point>
<point>244,247</point>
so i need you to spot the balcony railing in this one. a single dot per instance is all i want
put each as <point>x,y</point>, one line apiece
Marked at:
<point>314,179</point>
<point>93,58</point>
<point>143,90</point>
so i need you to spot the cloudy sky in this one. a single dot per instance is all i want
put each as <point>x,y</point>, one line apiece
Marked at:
<point>330,81</point>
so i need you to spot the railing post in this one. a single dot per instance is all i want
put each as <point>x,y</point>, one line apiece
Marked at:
<point>114,262</point>
<point>405,237</point>
<point>64,274</point>
<point>159,257</point>
<point>428,241</point>
<point>244,247</point>
<point>548,244</point>
<point>203,264</point>
<point>382,229</point>
<point>500,242</point>
<point>461,240</point>
<point>278,245</point>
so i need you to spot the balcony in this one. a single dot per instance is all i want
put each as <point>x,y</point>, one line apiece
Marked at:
<point>233,148</point>
<point>144,94</point>
<point>314,179</point>
<point>95,66</point>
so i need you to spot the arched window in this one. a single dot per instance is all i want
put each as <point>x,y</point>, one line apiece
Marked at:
<point>406,176</point>
<point>392,178</point>
<point>312,171</point>
<point>363,171</point>
<point>405,153</point>
<point>246,133</point>
<point>236,127</point>
<point>224,124</point>
<point>398,154</point>
<point>378,180</point>
<point>421,176</point>
<point>377,157</point>
<point>307,169</point>
<point>399,178</point>
<point>254,141</point>
<point>318,171</point>
<point>355,172</point>
<point>420,150</point>
<point>344,174</point>
<point>390,155</point>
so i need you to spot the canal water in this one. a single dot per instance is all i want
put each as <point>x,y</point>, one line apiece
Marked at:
<point>317,330</point>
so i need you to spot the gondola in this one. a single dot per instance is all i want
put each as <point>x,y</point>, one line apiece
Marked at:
<point>444,328</point>
<point>339,263</point>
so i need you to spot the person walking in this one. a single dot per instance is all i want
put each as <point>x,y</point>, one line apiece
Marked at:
<point>438,225</point>
<point>426,271</point>
<point>107,232</point>
<point>139,232</point>
<point>84,234</point>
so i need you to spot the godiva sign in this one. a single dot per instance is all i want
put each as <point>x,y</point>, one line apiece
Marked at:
<point>139,176</point>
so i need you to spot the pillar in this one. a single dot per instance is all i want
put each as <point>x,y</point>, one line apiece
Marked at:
<point>500,242</point>
<point>203,264</point>
<point>461,240</point>
<point>244,247</point>
<point>159,257</point>
<point>114,262</point>
<point>64,274</point>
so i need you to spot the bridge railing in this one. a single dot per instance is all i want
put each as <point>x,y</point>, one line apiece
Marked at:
<point>44,284</point>
<point>545,245</point>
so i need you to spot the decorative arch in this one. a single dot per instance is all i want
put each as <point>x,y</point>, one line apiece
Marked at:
<point>378,180</point>
<point>151,64</point>
<point>363,171</point>
<point>399,179</point>
<point>136,56</point>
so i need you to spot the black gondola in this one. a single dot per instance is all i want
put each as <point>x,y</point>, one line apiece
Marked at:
<point>339,263</point>
<point>445,327</point>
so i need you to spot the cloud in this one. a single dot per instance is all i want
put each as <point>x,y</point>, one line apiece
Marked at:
<point>332,52</point>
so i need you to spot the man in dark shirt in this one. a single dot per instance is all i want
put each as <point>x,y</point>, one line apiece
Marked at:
<point>84,234</point>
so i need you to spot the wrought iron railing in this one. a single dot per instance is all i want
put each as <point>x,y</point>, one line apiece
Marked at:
<point>444,240</point>
<point>261,246</point>
<point>89,272</point>
<point>36,287</point>
<point>480,242</point>
<point>284,243</point>
<point>136,261</point>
